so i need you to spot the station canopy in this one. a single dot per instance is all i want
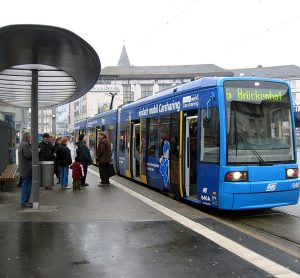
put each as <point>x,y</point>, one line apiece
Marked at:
<point>68,67</point>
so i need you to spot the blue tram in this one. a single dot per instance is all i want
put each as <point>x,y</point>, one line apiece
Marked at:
<point>227,143</point>
<point>79,128</point>
<point>105,122</point>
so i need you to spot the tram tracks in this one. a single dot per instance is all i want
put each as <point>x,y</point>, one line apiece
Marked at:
<point>255,225</point>
<point>261,225</point>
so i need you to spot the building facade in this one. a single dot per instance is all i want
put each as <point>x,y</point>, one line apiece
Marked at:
<point>125,83</point>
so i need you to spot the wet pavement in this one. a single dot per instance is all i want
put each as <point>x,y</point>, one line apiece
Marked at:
<point>114,249</point>
<point>104,232</point>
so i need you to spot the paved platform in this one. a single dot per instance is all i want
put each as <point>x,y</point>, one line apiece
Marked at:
<point>106,232</point>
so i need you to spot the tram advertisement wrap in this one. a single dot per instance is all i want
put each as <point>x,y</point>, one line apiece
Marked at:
<point>176,105</point>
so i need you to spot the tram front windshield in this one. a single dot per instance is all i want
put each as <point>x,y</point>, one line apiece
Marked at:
<point>259,126</point>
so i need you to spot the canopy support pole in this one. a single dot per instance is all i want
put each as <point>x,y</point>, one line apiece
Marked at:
<point>34,141</point>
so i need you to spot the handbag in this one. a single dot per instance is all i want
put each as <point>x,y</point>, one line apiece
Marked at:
<point>111,170</point>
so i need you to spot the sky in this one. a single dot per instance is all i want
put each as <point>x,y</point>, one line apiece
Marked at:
<point>228,33</point>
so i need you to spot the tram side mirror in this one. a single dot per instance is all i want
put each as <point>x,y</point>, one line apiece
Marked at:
<point>206,122</point>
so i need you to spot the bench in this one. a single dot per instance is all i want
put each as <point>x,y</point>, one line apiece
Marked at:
<point>8,174</point>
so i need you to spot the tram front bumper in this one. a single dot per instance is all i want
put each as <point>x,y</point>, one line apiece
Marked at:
<point>256,195</point>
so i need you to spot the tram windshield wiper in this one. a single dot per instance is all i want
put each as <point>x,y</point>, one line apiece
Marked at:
<point>235,134</point>
<point>244,140</point>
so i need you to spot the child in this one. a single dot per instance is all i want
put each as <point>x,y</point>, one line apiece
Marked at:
<point>77,173</point>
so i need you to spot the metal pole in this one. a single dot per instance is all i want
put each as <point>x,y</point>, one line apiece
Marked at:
<point>34,142</point>
<point>54,122</point>
<point>112,99</point>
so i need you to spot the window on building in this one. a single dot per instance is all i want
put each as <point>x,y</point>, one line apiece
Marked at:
<point>164,86</point>
<point>128,96</point>
<point>146,90</point>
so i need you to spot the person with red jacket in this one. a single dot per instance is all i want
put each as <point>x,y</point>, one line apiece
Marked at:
<point>77,173</point>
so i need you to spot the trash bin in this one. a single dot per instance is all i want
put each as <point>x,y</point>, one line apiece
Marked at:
<point>47,173</point>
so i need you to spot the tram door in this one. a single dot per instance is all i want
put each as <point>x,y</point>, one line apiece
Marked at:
<point>191,142</point>
<point>135,159</point>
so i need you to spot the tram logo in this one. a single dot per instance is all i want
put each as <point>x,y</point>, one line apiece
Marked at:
<point>271,186</point>
<point>190,101</point>
<point>164,162</point>
<point>296,185</point>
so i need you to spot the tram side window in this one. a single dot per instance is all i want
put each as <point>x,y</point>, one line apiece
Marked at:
<point>174,148</point>
<point>164,133</point>
<point>127,137</point>
<point>144,147</point>
<point>210,137</point>
<point>110,135</point>
<point>152,137</point>
<point>122,137</point>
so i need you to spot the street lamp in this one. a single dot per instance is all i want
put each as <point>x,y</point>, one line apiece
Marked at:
<point>113,94</point>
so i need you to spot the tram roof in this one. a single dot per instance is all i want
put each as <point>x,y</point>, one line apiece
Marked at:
<point>198,83</point>
<point>68,66</point>
<point>96,120</point>
<point>205,82</point>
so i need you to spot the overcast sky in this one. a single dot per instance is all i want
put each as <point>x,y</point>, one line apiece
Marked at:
<point>227,33</point>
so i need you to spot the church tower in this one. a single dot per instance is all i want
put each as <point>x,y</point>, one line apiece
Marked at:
<point>124,60</point>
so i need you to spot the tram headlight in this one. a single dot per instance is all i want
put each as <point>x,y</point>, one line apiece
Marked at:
<point>236,176</point>
<point>291,173</point>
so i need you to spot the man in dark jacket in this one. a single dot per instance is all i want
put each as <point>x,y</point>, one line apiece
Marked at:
<point>25,169</point>
<point>104,158</point>
<point>46,152</point>
<point>46,149</point>
<point>84,155</point>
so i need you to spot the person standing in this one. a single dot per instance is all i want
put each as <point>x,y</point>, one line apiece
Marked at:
<point>56,167</point>
<point>84,155</point>
<point>104,158</point>
<point>46,148</point>
<point>64,160</point>
<point>46,152</point>
<point>77,173</point>
<point>25,169</point>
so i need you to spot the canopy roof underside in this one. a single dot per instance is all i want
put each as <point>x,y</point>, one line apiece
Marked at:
<point>55,86</point>
<point>67,66</point>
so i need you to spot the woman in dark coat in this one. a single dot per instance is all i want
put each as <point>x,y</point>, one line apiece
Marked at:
<point>56,167</point>
<point>104,158</point>
<point>64,160</point>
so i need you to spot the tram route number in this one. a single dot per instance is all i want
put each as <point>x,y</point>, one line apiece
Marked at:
<point>205,198</point>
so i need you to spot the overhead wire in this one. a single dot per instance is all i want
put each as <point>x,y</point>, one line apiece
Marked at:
<point>180,13</point>
<point>269,29</point>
